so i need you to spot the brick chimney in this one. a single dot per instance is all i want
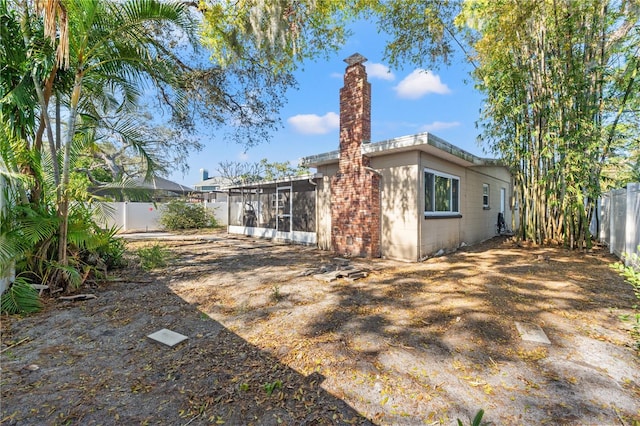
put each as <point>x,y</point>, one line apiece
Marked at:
<point>355,189</point>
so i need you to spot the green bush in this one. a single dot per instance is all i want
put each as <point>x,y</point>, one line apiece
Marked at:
<point>153,257</point>
<point>181,215</point>
<point>107,249</point>
<point>631,274</point>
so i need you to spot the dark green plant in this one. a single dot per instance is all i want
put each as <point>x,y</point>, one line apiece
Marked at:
<point>631,274</point>
<point>270,387</point>
<point>109,249</point>
<point>182,215</point>
<point>152,257</point>
<point>20,297</point>
<point>477,420</point>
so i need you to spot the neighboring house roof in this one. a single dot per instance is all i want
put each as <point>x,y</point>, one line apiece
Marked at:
<point>424,142</point>
<point>156,187</point>
<point>162,184</point>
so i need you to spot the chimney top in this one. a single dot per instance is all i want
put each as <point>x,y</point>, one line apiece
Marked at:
<point>356,58</point>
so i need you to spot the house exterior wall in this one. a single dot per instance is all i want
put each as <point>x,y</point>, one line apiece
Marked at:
<point>476,223</point>
<point>405,233</point>
<point>437,233</point>
<point>323,209</point>
<point>398,205</point>
<point>479,222</point>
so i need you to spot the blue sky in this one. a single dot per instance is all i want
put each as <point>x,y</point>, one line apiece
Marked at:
<point>403,102</point>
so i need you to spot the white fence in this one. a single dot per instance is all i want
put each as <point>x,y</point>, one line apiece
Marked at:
<point>220,211</point>
<point>144,217</point>
<point>620,219</point>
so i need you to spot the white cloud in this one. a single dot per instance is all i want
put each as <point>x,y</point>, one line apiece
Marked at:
<point>336,75</point>
<point>313,124</point>
<point>380,71</point>
<point>420,83</point>
<point>439,125</point>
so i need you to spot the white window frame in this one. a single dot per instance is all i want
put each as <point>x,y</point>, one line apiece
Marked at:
<point>437,173</point>
<point>487,193</point>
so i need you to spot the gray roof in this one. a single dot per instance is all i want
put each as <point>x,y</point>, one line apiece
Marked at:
<point>424,142</point>
<point>262,183</point>
<point>162,184</point>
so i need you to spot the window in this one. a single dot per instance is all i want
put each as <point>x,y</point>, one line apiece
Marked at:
<point>441,193</point>
<point>485,196</point>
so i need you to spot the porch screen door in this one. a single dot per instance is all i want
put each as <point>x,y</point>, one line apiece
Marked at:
<point>283,224</point>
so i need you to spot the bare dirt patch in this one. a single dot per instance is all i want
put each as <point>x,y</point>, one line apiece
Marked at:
<point>270,344</point>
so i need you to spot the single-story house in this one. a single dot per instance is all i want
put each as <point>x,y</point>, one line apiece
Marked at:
<point>406,198</point>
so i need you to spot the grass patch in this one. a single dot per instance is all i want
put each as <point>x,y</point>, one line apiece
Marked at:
<point>153,257</point>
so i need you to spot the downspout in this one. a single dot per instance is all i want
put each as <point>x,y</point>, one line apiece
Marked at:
<point>420,220</point>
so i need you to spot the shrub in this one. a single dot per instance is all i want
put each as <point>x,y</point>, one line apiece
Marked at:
<point>152,257</point>
<point>181,215</point>
<point>107,249</point>
<point>631,274</point>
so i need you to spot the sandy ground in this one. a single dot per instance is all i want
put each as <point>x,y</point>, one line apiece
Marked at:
<point>271,341</point>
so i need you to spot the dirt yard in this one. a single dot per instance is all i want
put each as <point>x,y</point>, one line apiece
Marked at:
<point>271,340</point>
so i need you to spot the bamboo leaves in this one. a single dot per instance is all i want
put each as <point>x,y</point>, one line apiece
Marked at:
<point>555,87</point>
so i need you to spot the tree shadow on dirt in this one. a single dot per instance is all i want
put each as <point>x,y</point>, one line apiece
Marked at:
<point>436,341</point>
<point>462,322</point>
<point>91,363</point>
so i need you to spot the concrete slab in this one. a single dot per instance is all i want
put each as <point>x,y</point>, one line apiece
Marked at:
<point>167,337</point>
<point>532,332</point>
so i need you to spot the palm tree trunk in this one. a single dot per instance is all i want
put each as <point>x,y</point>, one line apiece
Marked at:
<point>63,202</point>
<point>42,100</point>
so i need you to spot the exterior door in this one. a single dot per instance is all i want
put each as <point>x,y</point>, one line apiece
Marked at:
<point>283,209</point>
<point>503,196</point>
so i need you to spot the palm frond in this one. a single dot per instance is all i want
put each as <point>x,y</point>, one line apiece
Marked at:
<point>20,297</point>
<point>12,247</point>
<point>71,273</point>
<point>37,228</point>
<point>103,211</point>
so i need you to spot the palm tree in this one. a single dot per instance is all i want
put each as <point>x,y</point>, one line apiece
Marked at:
<point>114,46</point>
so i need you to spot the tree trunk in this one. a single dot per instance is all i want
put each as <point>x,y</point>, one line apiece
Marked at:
<point>63,201</point>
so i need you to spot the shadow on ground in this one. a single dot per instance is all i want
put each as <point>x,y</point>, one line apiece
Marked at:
<point>436,341</point>
<point>91,363</point>
<point>410,344</point>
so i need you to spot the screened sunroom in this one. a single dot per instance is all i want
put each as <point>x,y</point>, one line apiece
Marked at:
<point>284,209</point>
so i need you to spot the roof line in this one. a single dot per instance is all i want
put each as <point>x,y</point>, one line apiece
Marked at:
<point>291,178</point>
